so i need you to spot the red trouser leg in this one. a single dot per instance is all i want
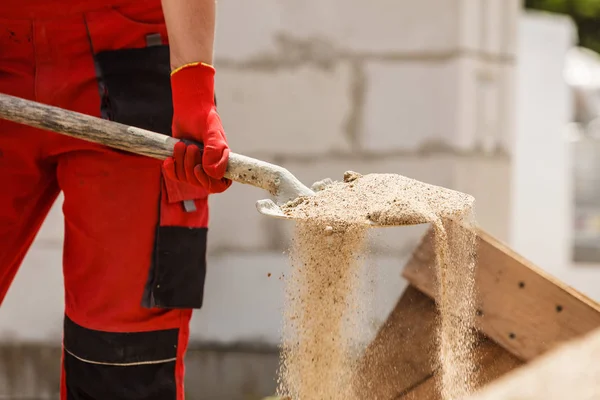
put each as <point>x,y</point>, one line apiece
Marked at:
<point>134,253</point>
<point>28,181</point>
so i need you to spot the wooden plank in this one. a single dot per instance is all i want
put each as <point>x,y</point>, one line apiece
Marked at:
<point>425,391</point>
<point>571,371</point>
<point>400,357</point>
<point>492,363</point>
<point>403,354</point>
<point>521,307</point>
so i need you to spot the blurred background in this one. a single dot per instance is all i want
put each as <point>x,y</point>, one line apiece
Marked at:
<point>496,98</point>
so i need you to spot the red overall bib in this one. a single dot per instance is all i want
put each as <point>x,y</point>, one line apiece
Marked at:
<point>134,251</point>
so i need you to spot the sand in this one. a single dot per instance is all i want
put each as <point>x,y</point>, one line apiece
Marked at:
<point>455,251</point>
<point>322,311</point>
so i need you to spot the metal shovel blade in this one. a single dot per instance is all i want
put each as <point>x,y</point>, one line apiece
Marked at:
<point>270,209</point>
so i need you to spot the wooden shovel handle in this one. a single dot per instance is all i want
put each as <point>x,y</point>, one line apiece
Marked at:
<point>272,178</point>
<point>86,127</point>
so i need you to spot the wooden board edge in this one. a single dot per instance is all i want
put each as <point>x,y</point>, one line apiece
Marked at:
<point>509,291</point>
<point>499,245</point>
<point>504,248</point>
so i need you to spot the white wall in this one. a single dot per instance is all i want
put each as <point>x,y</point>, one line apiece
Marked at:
<point>420,88</point>
<point>541,217</point>
<point>542,181</point>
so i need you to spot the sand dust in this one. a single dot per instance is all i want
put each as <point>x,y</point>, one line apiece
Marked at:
<point>455,251</point>
<point>322,311</point>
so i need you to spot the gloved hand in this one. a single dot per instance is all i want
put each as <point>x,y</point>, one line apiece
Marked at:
<point>195,117</point>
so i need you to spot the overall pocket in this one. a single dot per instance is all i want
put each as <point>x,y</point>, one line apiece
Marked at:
<point>177,275</point>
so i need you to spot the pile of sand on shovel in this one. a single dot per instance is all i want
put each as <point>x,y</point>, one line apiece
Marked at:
<point>323,309</point>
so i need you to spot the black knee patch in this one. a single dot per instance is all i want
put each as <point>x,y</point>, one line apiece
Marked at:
<point>119,366</point>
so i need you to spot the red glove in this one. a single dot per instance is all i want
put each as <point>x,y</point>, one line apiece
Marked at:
<point>195,118</point>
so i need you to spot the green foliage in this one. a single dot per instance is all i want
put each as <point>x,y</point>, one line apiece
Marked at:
<point>558,6</point>
<point>587,8</point>
<point>579,8</point>
<point>585,13</point>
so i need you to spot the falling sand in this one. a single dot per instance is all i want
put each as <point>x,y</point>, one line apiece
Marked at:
<point>319,354</point>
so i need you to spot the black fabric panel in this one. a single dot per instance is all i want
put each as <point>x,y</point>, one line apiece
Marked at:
<point>117,347</point>
<point>179,268</point>
<point>85,381</point>
<point>136,87</point>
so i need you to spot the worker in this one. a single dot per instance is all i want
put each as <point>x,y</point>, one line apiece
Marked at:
<point>134,260</point>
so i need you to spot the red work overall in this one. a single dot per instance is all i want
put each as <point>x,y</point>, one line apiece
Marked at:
<point>134,253</point>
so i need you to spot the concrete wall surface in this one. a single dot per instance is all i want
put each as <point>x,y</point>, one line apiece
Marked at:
<point>541,198</point>
<point>420,88</point>
<point>542,187</point>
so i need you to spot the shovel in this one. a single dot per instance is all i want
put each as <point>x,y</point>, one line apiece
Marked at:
<point>276,180</point>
